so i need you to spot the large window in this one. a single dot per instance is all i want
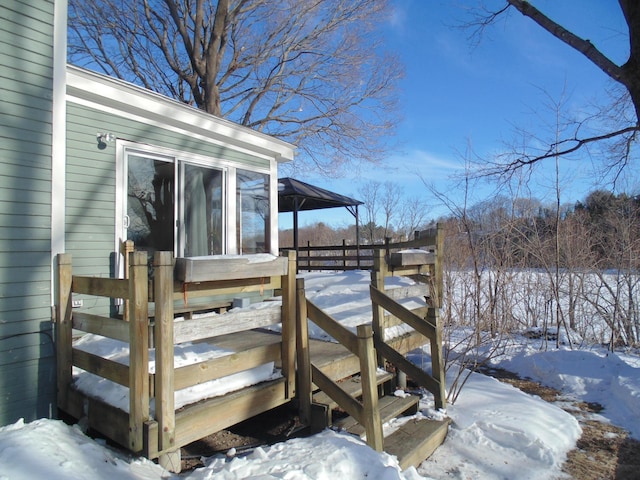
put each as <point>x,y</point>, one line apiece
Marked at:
<point>183,205</point>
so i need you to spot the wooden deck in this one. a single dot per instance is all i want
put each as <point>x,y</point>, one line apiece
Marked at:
<point>319,376</point>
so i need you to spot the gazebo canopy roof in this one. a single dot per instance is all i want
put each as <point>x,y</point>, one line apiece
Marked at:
<point>294,195</point>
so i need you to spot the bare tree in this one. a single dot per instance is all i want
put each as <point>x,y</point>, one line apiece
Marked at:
<point>390,205</point>
<point>619,137</point>
<point>413,216</point>
<point>311,72</point>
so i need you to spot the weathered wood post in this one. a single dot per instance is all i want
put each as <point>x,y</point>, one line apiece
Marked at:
<point>138,348</point>
<point>64,327</point>
<point>303,355</point>
<point>377,280</point>
<point>126,249</point>
<point>344,253</point>
<point>437,364</point>
<point>164,343</point>
<point>289,324</point>
<point>438,273</point>
<point>371,414</point>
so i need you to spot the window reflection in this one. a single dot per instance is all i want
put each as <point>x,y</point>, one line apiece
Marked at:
<point>252,222</point>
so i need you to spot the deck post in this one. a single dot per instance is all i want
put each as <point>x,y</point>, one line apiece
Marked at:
<point>163,337</point>
<point>371,414</point>
<point>437,363</point>
<point>437,272</point>
<point>304,360</point>
<point>138,349</point>
<point>64,327</point>
<point>289,325</point>
<point>378,274</point>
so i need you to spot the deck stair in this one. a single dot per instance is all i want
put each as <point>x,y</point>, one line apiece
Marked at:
<point>412,443</point>
<point>349,374</point>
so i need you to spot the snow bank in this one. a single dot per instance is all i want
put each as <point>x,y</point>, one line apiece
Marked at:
<point>51,450</point>
<point>327,455</point>
<point>500,432</point>
<point>596,375</point>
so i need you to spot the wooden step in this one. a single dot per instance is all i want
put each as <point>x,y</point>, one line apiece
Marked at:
<point>390,407</point>
<point>416,440</point>
<point>352,386</point>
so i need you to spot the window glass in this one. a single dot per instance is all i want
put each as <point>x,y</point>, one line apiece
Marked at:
<point>203,219</point>
<point>181,205</point>
<point>150,203</point>
<point>252,221</point>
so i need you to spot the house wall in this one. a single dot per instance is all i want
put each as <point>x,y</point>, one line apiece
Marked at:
<point>97,104</point>
<point>91,179</point>
<point>27,362</point>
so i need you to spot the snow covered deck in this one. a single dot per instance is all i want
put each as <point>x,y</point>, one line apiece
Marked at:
<point>154,385</point>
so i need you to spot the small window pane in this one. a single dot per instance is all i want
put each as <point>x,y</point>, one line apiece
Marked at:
<point>252,225</point>
<point>202,211</point>
<point>150,200</point>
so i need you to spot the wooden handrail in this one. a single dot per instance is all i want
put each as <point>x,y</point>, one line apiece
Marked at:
<point>426,326</point>
<point>365,412</point>
<point>405,315</point>
<point>341,334</point>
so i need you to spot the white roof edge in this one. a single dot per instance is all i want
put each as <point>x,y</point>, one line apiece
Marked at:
<point>132,99</point>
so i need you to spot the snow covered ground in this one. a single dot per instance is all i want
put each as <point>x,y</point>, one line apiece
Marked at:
<point>497,431</point>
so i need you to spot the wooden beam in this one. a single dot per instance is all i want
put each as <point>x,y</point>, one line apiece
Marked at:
<point>188,291</point>
<point>106,326</point>
<point>101,287</point>
<point>215,368</point>
<point>103,367</point>
<point>352,406</point>
<point>163,337</point>
<point>64,327</point>
<point>303,356</point>
<point>226,323</point>
<point>404,314</point>
<point>371,414</point>
<point>437,362</point>
<point>203,269</point>
<point>138,349</point>
<point>198,420</point>
<point>417,374</point>
<point>289,336</point>
<point>332,327</point>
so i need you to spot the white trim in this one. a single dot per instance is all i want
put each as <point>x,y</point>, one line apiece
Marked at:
<point>121,189</point>
<point>232,215</point>
<point>58,137</point>
<point>130,101</point>
<point>273,217</point>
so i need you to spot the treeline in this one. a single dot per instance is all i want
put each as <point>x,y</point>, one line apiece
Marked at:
<point>602,232</point>
<point>574,269</point>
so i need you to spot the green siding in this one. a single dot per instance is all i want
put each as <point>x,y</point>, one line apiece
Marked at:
<point>91,183</point>
<point>27,360</point>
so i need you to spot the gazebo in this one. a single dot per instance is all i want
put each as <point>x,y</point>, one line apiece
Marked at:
<point>296,196</point>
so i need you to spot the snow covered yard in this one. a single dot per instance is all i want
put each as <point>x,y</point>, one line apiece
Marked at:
<point>497,431</point>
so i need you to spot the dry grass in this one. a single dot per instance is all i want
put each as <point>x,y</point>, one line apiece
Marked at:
<point>603,452</point>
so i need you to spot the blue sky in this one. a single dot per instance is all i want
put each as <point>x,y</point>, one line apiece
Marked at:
<point>456,97</point>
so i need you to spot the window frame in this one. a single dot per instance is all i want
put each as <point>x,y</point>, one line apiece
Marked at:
<point>229,168</point>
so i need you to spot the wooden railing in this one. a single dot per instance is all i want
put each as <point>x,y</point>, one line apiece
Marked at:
<point>366,411</point>
<point>428,326</point>
<point>161,434</point>
<point>355,257</point>
<point>135,376</point>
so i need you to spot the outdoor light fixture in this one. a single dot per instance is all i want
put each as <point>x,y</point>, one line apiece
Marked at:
<point>105,137</point>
